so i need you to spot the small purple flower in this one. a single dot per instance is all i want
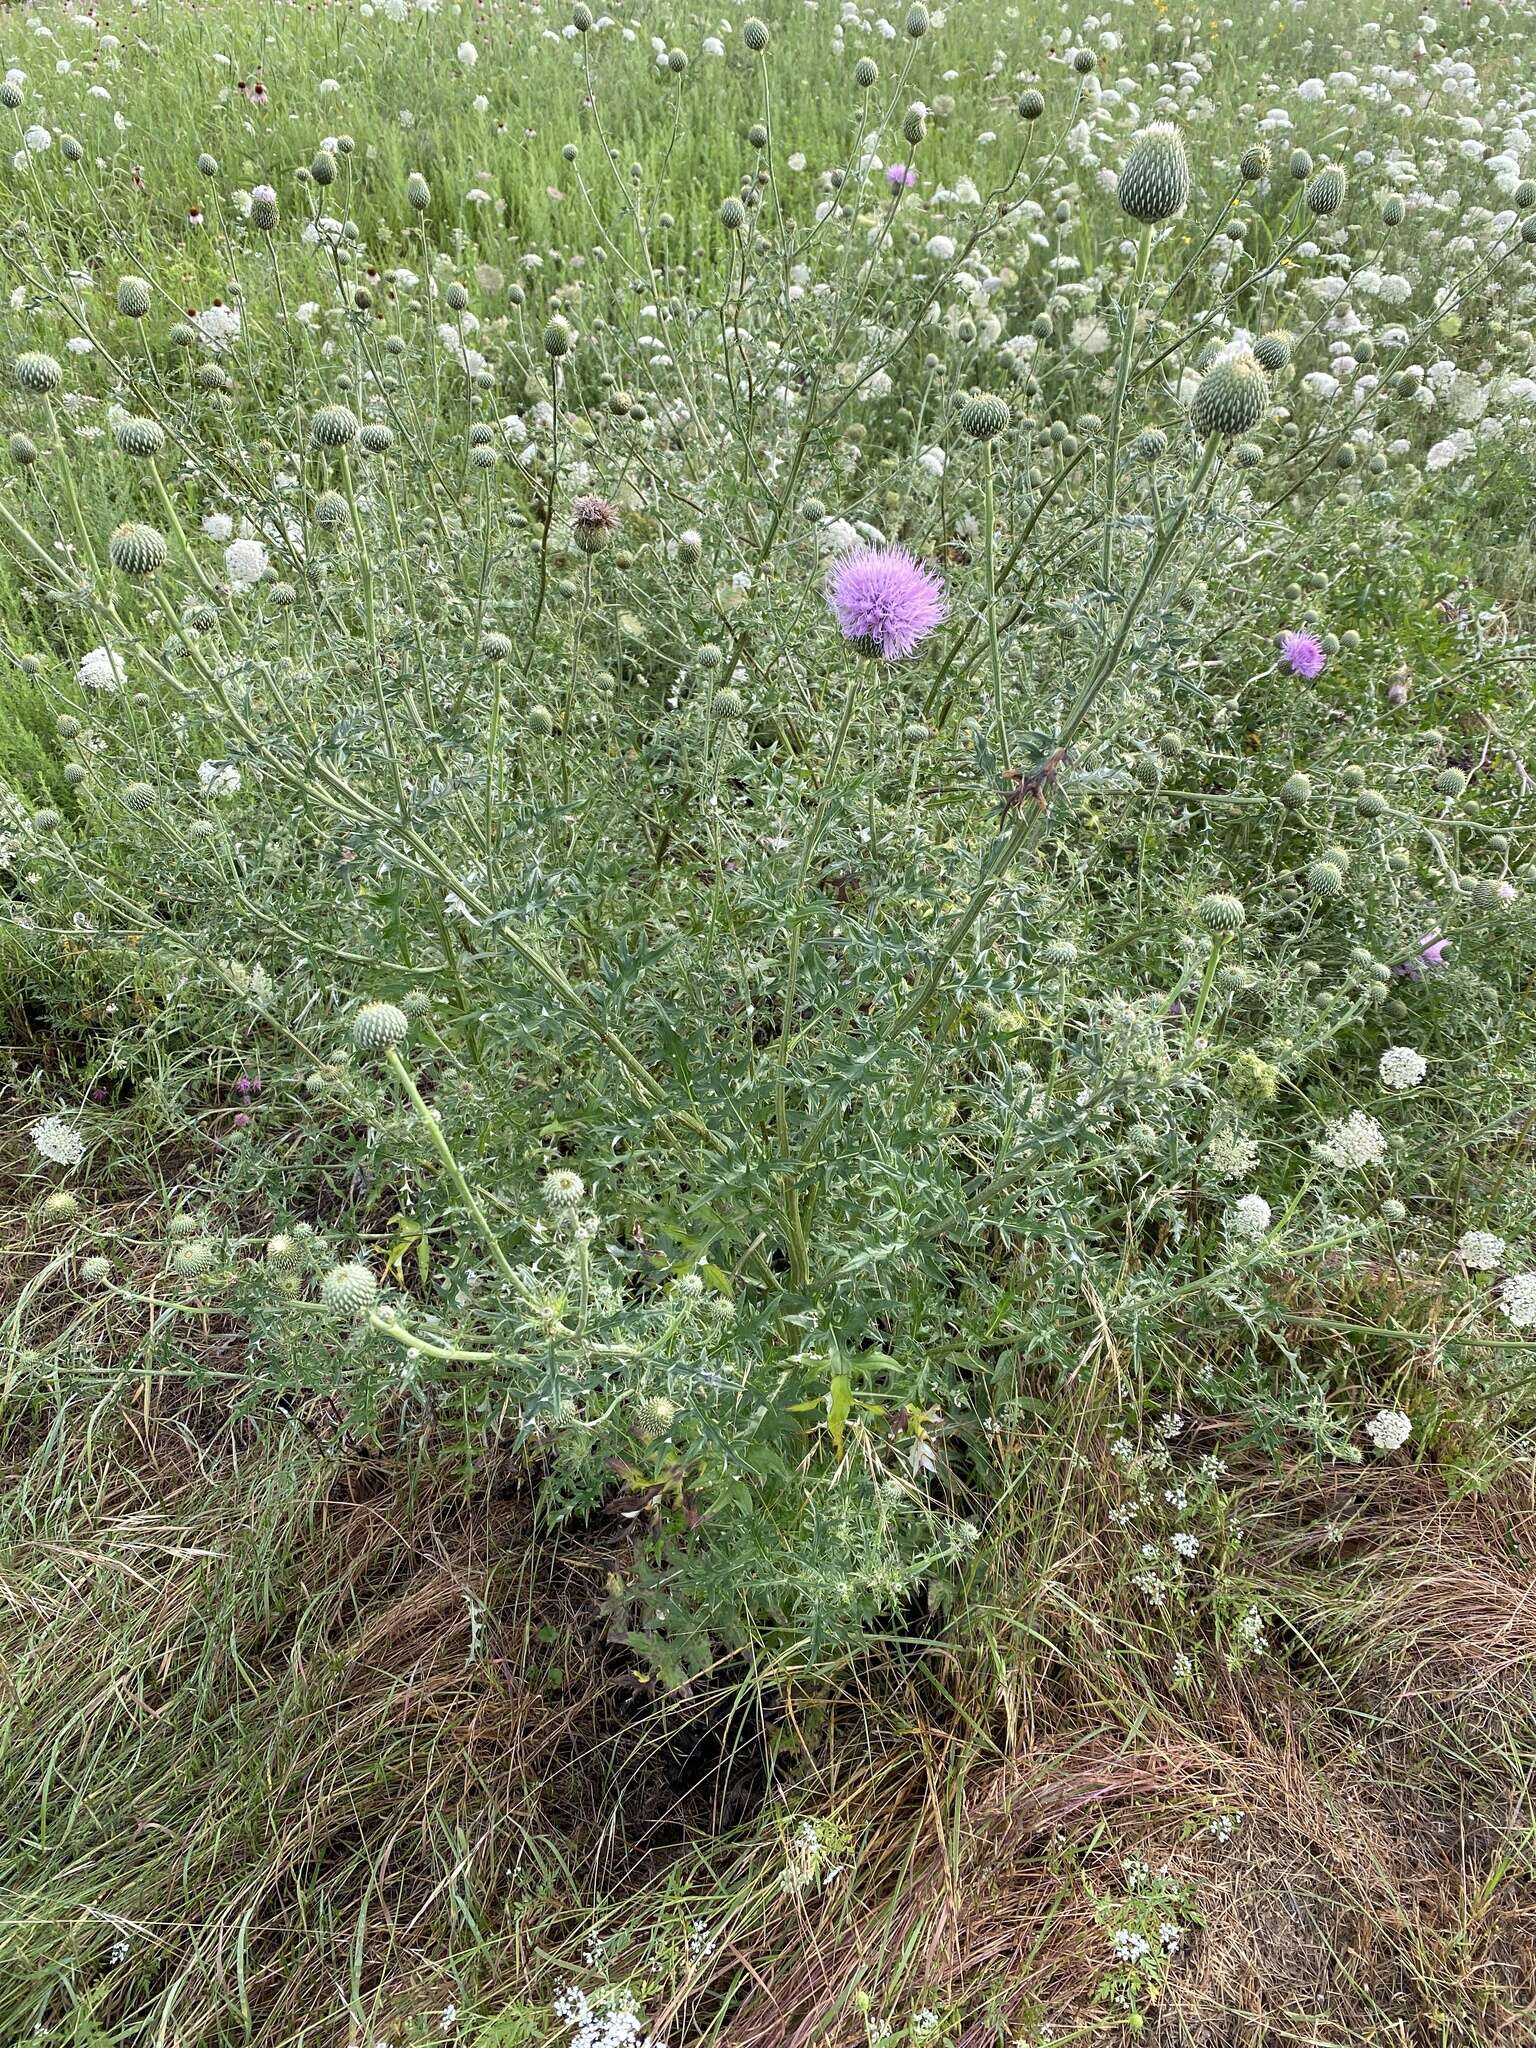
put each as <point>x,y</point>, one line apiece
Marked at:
<point>247,1085</point>
<point>1431,954</point>
<point>1303,654</point>
<point>900,177</point>
<point>886,600</point>
<point>242,1121</point>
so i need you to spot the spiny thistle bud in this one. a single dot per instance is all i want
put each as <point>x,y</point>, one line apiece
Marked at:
<point>985,417</point>
<point>1449,782</point>
<point>866,73</point>
<point>281,1250</point>
<point>72,149</point>
<point>1300,165</point>
<point>1221,913</point>
<point>559,338</point>
<point>1370,803</point>
<point>349,1290</point>
<point>1150,445</point>
<point>132,297</point>
<point>61,1206</point>
<point>754,34</point>
<point>323,167</point>
<point>710,657</point>
<point>653,1418</point>
<point>917,22</point>
<point>207,166</point>
<point>66,727</point>
<point>1296,791</point>
<point>594,521</point>
<point>728,704</point>
<point>582,18</point>
<point>1248,455</point>
<point>495,647</point>
<point>1393,211</point>
<point>375,439</point>
<point>1154,182</point>
<point>482,457</point>
<point>193,1259</point>
<point>378,1025</point>
<point>1325,878</point>
<point>330,511</point>
<point>95,1271</point>
<point>1232,397</point>
<point>564,1190</point>
<point>1325,192</point>
<point>263,208</point>
<point>333,426</point>
<point>1147,771</point>
<point>36,372</point>
<point>1255,162</point>
<point>418,193</point>
<point>75,774</point>
<point>10,94</point>
<point>209,377</point>
<point>199,616</point>
<point>1084,63</point>
<point>139,796</point>
<point>540,721</point>
<point>23,450</point>
<point>1272,351</point>
<point>136,549</point>
<point>182,335</point>
<point>140,437</point>
<point>284,595</point>
<point>1031,104</point>
<point>1058,954</point>
<point>914,124</point>
<point>46,820</point>
<point>733,215</point>
<point>690,547</point>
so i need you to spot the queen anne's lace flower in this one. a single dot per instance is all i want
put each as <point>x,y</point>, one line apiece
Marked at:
<point>58,1141</point>
<point>1517,1298</point>
<point>1389,1429</point>
<point>1355,1141</point>
<point>1250,1216</point>
<point>1480,1250</point>
<point>1401,1067</point>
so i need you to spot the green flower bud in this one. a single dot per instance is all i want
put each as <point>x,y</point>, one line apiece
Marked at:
<point>378,1025</point>
<point>136,549</point>
<point>349,1290</point>
<point>1154,182</point>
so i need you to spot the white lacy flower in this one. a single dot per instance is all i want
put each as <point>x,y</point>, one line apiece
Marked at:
<point>57,1140</point>
<point>1401,1067</point>
<point>1517,1298</point>
<point>101,669</point>
<point>1482,1251</point>
<point>1250,1217</point>
<point>1389,1429</point>
<point>1353,1141</point>
<point>218,778</point>
<point>245,563</point>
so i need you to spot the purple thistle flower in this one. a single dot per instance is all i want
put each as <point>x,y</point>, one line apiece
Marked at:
<point>1431,955</point>
<point>900,177</point>
<point>886,600</point>
<point>1303,654</point>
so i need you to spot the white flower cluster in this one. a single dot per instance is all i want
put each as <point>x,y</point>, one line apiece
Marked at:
<point>607,2021</point>
<point>1517,1298</point>
<point>1249,1217</point>
<point>58,1141</point>
<point>1389,1429</point>
<point>1355,1141</point>
<point>1481,1251</point>
<point>1401,1067</point>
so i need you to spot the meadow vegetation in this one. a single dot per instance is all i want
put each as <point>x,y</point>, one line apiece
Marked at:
<point>766,821</point>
